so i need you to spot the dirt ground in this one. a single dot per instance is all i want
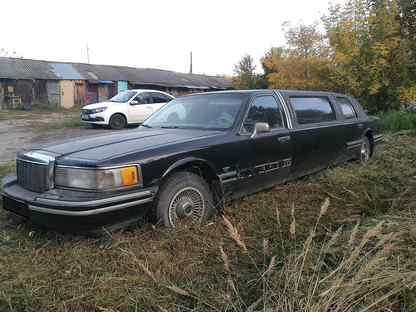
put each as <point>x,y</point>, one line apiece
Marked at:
<point>24,130</point>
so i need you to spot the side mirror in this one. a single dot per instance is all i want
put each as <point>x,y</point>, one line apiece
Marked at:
<point>134,102</point>
<point>260,127</point>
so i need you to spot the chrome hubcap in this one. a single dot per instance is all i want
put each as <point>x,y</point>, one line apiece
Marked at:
<point>365,152</point>
<point>187,203</point>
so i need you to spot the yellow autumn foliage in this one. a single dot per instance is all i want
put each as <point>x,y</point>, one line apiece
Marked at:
<point>362,53</point>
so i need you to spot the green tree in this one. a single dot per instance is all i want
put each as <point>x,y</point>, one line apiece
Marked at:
<point>304,41</point>
<point>302,64</point>
<point>408,28</point>
<point>245,76</point>
<point>370,59</point>
<point>368,50</point>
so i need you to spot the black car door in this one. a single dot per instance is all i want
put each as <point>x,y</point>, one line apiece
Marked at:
<point>316,136</point>
<point>264,158</point>
<point>352,128</point>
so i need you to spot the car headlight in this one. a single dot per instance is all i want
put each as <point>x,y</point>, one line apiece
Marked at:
<point>98,110</point>
<point>98,179</point>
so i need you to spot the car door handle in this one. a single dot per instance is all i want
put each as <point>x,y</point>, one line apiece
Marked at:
<point>283,139</point>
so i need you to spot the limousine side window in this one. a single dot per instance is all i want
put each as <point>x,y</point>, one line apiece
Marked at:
<point>264,109</point>
<point>311,110</point>
<point>347,109</point>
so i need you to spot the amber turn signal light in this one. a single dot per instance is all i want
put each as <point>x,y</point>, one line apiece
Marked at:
<point>130,176</point>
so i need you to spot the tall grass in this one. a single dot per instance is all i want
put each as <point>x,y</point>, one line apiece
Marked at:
<point>395,121</point>
<point>344,270</point>
<point>340,241</point>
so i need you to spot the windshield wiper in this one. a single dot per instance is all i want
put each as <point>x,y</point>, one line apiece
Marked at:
<point>169,127</point>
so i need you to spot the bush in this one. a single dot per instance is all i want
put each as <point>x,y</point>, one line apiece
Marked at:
<point>395,121</point>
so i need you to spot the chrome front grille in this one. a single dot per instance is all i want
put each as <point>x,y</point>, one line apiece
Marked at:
<point>35,171</point>
<point>87,111</point>
<point>32,176</point>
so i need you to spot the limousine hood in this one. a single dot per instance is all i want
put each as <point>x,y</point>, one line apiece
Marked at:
<point>104,147</point>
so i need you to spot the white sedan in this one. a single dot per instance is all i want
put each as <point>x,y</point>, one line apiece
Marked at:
<point>127,107</point>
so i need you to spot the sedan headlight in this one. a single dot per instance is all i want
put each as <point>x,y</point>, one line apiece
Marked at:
<point>98,179</point>
<point>98,110</point>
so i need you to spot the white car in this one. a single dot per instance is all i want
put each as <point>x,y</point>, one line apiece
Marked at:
<point>127,107</point>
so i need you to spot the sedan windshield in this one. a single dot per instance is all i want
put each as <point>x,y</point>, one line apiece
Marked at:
<point>203,111</point>
<point>123,96</point>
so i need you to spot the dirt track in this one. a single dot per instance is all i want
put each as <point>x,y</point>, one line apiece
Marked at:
<point>25,130</point>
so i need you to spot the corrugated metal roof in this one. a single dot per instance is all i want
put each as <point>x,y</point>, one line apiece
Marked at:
<point>66,71</point>
<point>13,68</point>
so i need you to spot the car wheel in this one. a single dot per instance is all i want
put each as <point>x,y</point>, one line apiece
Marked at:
<point>185,196</point>
<point>117,122</point>
<point>365,150</point>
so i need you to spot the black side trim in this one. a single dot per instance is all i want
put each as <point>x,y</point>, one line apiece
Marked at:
<point>354,144</point>
<point>228,176</point>
<point>378,138</point>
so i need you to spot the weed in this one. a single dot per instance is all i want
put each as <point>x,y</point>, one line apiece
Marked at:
<point>395,121</point>
<point>342,240</point>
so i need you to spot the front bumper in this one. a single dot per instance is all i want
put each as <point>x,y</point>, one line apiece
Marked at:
<point>99,118</point>
<point>76,211</point>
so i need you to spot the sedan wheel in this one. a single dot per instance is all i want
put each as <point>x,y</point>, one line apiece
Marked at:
<point>365,151</point>
<point>117,122</point>
<point>184,197</point>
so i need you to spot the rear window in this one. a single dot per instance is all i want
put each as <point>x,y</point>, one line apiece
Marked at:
<point>160,98</point>
<point>311,110</point>
<point>347,109</point>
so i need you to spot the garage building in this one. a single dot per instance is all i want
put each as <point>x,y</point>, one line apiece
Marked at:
<point>27,83</point>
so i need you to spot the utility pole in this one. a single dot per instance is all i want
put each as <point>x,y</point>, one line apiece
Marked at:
<point>88,54</point>
<point>190,67</point>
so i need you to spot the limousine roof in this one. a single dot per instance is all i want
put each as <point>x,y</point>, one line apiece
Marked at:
<point>284,92</point>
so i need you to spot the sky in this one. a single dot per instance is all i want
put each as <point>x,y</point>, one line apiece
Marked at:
<point>151,33</point>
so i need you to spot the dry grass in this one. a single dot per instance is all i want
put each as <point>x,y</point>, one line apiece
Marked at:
<point>9,114</point>
<point>343,240</point>
<point>322,276</point>
<point>43,119</point>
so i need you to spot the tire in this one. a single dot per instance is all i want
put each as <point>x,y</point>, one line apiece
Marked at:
<point>184,196</point>
<point>365,150</point>
<point>117,122</point>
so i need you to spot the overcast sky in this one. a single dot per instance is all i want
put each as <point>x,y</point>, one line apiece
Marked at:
<point>151,33</point>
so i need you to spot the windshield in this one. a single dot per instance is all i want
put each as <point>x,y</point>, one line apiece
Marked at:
<point>123,96</point>
<point>209,111</point>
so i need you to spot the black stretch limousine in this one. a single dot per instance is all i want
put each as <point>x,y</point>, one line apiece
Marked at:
<point>189,156</point>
